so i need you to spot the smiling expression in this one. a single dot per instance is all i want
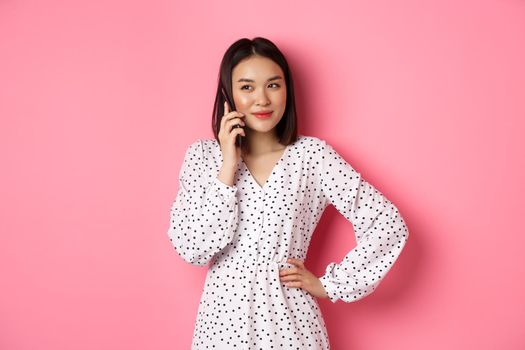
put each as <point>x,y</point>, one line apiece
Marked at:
<point>258,85</point>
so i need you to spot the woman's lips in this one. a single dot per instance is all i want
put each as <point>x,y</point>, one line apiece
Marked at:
<point>263,116</point>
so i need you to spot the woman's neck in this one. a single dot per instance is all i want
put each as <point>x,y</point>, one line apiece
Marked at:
<point>257,143</point>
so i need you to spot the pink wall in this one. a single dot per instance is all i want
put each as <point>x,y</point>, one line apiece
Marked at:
<point>99,100</point>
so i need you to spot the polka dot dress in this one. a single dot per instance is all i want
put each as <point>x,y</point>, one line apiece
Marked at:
<point>246,233</point>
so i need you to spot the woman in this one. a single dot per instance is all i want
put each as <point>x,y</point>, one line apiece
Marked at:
<point>250,212</point>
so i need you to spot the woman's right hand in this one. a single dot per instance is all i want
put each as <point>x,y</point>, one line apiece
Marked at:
<point>231,154</point>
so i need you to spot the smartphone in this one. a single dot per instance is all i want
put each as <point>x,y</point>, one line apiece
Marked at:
<point>238,139</point>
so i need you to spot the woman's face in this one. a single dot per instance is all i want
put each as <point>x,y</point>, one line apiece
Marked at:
<point>258,85</point>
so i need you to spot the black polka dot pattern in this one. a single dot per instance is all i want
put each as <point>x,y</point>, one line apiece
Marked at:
<point>380,231</point>
<point>246,233</point>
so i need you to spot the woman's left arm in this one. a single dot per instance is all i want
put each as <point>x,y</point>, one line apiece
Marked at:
<point>380,230</point>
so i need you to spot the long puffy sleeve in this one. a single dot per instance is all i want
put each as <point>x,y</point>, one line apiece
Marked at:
<point>380,230</point>
<point>204,215</point>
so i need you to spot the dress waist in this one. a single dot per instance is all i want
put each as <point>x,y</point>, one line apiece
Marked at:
<point>238,261</point>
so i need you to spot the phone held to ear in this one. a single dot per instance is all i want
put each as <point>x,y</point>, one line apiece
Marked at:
<point>238,138</point>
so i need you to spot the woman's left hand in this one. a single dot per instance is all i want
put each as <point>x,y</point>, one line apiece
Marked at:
<point>300,277</point>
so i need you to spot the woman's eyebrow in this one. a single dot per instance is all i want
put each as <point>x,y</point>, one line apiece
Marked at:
<point>253,81</point>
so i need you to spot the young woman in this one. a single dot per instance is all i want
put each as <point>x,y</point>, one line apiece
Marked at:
<point>248,203</point>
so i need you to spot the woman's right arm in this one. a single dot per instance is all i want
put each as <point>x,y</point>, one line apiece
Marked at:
<point>204,215</point>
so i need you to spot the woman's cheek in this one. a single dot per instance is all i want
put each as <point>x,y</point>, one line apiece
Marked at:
<point>242,104</point>
<point>281,100</point>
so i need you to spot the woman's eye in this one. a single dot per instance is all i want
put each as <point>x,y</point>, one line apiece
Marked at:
<point>243,87</point>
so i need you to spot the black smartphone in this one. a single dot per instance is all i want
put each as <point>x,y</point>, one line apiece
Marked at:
<point>238,139</point>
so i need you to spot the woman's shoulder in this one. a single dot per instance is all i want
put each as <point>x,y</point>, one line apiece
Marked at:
<point>202,144</point>
<point>208,148</point>
<point>310,144</point>
<point>318,143</point>
<point>309,140</point>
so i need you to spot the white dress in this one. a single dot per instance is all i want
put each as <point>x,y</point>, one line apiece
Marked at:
<point>246,232</point>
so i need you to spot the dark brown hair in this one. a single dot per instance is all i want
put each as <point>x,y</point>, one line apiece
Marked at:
<point>286,129</point>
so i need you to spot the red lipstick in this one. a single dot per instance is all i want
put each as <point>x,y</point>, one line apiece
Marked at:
<point>263,114</point>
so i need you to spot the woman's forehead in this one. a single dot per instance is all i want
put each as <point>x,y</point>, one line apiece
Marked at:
<point>256,69</point>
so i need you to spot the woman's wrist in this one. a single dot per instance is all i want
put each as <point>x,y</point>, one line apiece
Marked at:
<point>226,174</point>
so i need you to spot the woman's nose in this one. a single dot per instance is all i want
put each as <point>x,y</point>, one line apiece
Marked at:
<point>262,98</point>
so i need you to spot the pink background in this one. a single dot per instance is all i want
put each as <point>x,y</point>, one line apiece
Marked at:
<point>99,100</point>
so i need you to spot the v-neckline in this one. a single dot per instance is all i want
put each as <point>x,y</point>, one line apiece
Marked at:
<point>272,173</point>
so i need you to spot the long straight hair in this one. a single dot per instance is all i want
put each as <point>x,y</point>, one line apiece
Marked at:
<point>243,48</point>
